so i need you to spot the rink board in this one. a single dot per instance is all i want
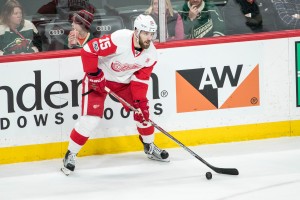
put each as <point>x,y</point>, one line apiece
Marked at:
<point>201,94</point>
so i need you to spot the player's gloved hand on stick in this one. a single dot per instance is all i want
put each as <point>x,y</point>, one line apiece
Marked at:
<point>142,113</point>
<point>97,81</point>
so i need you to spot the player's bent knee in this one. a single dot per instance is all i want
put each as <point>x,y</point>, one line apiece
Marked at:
<point>87,124</point>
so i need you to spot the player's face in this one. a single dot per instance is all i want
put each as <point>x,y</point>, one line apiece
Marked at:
<point>145,39</point>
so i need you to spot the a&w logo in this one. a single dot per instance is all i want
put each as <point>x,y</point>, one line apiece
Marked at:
<point>214,88</point>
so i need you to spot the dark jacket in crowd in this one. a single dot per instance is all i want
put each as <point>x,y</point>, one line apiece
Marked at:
<point>256,18</point>
<point>209,23</point>
<point>247,7</point>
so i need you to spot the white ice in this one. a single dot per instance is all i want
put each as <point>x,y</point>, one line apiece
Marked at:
<point>269,169</point>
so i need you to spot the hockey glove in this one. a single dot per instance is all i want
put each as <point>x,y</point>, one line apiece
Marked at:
<point>142,113</point>
<point>97,81</point>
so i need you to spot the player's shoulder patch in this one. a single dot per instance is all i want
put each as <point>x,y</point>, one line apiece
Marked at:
<point>95,46</point>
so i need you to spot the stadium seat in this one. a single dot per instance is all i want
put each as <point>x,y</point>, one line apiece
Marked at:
<point>106,25</point>
<point>54,34</point>
<point>132,19</point>
<point>127,12</point>
<point>39,19</point>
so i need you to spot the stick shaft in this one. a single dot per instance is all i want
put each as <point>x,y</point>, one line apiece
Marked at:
<point>230,171</point>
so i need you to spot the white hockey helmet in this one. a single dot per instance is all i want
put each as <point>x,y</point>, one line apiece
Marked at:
<point>145,23</point>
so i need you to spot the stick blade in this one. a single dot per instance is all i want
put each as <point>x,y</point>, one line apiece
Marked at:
<point>229,171</point>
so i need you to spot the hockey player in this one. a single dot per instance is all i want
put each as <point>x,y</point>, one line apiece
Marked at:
<point>126,60</point>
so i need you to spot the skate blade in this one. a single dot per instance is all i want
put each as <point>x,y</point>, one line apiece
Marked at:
<point>151,157</point>
<point>66,171</point>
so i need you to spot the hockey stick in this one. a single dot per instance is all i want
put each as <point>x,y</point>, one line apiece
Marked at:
<point>229,171</point>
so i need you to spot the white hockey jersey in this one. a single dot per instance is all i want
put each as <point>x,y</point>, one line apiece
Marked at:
<point>115,55</point>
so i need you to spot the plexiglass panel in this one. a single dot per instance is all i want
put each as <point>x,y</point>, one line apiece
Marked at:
<point>47,25</point>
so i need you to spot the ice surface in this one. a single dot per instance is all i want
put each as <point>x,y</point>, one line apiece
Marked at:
<point>269,169</point>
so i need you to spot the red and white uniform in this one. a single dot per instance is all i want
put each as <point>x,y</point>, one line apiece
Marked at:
<point>126,72</point>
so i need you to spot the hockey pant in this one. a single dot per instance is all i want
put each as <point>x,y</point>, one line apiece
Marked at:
<point>92,112</point>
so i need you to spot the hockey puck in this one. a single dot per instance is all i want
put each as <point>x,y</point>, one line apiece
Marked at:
<point>208,175</point>
<point>164,154</point>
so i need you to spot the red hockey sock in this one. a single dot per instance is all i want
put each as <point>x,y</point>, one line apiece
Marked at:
<point>77,138</point>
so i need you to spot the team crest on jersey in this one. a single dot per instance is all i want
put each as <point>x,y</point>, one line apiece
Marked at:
<point>17,46</point>
<point>119,67</point>
<point>95,46</point>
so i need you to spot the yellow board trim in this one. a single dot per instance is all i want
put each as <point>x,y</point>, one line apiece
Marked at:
<point>131,143</point>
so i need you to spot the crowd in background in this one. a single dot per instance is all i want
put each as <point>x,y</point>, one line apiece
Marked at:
<point>79,21</point>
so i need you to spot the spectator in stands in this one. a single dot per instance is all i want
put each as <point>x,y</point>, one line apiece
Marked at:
<point>65,8</point>
<point>81,24</point>
<point>174,24</point>
<point>251,12</point>
<point>201,19</point>
<point>288,12</point>
<point>17,35</point>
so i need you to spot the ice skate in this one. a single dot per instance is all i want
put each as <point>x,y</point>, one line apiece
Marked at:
<point>155,153</point>
<point>69,163</point>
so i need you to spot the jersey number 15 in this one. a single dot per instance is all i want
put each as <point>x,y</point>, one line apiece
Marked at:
<point>104,43</point>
